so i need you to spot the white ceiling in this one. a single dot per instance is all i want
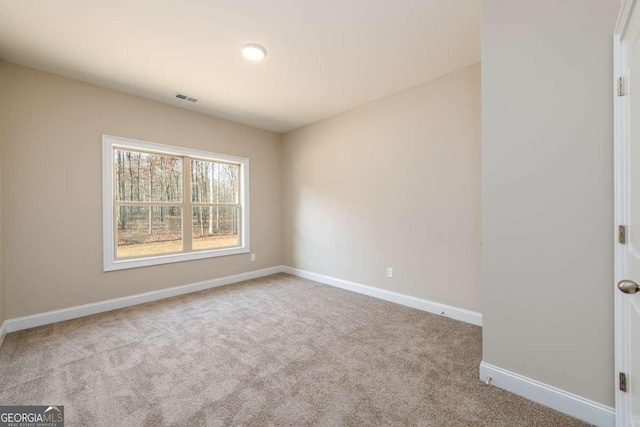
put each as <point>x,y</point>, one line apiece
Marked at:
<point>323,56</point>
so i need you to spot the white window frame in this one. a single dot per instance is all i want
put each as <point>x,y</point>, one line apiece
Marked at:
<point>110,262</point>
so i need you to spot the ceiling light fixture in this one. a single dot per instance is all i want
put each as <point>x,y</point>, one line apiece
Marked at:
<point>254,52</point>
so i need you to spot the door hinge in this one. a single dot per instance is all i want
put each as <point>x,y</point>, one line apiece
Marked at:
<point>621,86</point>
<point>622,234</point>
<point>623,381</point>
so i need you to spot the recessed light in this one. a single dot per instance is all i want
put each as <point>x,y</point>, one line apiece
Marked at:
<point>254,52</point>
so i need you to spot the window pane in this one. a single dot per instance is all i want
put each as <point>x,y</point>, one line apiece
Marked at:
<point>215,227</point>
<point>144,230</point>
<point>213,182</point>
<point>144,177</point>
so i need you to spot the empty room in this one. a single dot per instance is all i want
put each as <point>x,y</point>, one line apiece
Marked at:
<point>338,213</point>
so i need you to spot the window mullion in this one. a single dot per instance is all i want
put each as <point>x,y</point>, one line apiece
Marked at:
<point>145,204</point>
<point>187,223</point>
<point>215,205</point>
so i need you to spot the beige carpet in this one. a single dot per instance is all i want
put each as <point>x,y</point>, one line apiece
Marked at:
<point>276,351</point>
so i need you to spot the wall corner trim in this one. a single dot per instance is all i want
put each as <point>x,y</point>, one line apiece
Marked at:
<point>456,313</point>
<point>3,332</point>
<point>552,397</point>
<point>32,321</point>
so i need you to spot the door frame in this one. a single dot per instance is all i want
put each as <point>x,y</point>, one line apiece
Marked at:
<point>621,209</point>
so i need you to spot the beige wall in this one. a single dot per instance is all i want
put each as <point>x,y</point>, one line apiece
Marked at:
<point>51,145</point>
<point>2,299</point>
<point>392,183</point>
<point>547,192</point>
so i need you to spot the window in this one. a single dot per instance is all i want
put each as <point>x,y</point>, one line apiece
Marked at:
<point>167,204</point>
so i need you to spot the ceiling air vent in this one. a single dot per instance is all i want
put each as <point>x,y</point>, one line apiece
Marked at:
<point>186,98</point>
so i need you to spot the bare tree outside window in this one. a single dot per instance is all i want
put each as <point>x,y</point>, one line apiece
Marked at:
<point>149,205</point>
<point>216,208</point>
<point>148,199</point>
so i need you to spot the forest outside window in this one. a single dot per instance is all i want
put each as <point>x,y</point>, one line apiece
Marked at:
<point>167,204</point>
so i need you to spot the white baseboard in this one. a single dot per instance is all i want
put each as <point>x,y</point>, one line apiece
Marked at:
<point>3,332</point>
<point>35,320</point>
<point>555,398</point>
<point>26,322</point>
<point>418,303</point>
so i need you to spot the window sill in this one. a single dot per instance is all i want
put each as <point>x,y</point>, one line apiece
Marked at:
<point>123,264</point>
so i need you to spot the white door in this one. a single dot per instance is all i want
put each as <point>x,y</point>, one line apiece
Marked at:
<point>628,212</point>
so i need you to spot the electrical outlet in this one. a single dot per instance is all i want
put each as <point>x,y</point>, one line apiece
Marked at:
<point>253,257</point>
<point>390,272</point>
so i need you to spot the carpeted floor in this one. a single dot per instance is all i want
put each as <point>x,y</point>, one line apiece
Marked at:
<point>275,351</point>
